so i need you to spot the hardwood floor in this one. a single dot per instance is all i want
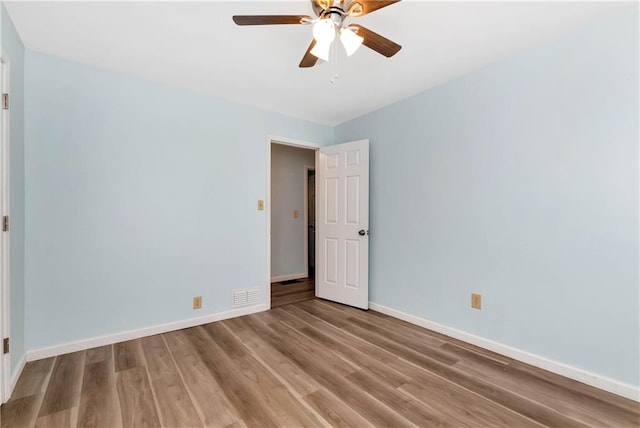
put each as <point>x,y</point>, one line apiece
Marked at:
<point>311,363</point>
<point>292,292</point>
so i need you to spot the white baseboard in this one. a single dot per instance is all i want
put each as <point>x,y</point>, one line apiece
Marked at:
<point>80,345</point>
<point>16,374</point>
<point>602,382</point>
<point>289,277</point>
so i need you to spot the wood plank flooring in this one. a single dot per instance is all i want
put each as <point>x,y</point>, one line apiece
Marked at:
<point>287,293</point>
<point>306,364</point>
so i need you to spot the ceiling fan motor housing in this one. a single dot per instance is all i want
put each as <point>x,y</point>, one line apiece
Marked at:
<point>324,9</point>
<point>335,14</point>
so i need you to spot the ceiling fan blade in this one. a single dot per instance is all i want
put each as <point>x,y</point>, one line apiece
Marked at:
<point>363,7</point>
<point>319,6</point>
<point>375,41</point>
<point>323,4</point>
<point>309,60</point>
<point>271,19</point>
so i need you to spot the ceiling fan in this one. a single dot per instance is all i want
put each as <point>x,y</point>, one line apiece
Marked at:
<point>331,16</point>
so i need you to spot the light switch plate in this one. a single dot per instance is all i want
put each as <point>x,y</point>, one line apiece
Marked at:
<point>260,205</point>
<point>295,214</point>
<point>476,301</point>
<point>197,302</point>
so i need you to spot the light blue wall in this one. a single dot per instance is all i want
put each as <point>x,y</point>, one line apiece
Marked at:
<point>520,182</point>
<point>139,197</point>
<point>13,51</point>
<point>288,250</point>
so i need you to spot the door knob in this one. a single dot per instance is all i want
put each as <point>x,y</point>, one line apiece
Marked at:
<point>362,232</point>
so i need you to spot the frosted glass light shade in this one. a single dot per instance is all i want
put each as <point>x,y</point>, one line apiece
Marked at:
<point>324,31</point>
<point>321,50</point>
<point>350,40</point>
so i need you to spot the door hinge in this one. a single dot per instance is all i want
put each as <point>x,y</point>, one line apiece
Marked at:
<point>5,223</point>
<point>5,101</point>
<point>5,345</point>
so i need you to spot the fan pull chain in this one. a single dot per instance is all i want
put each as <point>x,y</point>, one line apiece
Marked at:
<point>334,63</point>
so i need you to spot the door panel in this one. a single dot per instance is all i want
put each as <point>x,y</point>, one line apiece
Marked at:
<point>352,255</point>
<point>343,252</point>
<point>331,201</point>
<point>353,200</point>
<point>331,261</point>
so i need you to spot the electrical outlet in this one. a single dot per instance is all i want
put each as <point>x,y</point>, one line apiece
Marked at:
<point>260,205</point>
<point>197,302</point>
<point>476,301</point>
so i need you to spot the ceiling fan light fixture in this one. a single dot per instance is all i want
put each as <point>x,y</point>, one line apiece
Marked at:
<point>321,50</point>
<point>350,40</point>
<point>324,31</point>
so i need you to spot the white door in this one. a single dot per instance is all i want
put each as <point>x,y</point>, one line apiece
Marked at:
<point>342,227</point>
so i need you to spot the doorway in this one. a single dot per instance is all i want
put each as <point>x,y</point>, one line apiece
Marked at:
<point>291,221</point>
<point>341,262</point>
<point>284,292</point>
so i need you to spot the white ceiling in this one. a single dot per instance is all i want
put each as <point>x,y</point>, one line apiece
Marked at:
<point>195,45</point>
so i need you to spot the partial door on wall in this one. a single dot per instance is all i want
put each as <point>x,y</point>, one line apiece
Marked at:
<point>342,257</point>
<point>4,244</point>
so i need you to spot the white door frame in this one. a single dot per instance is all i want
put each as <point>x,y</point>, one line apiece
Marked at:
<point>272,139</point>
<point>5,359</point>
